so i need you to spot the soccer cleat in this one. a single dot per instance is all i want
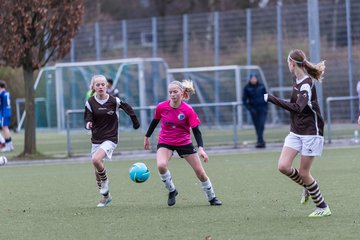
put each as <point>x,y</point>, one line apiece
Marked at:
<point>172,197</point>
<point>8,148</point>
<point>320,212</point>
<point>104,201</point>
<point>104,189</point>
<point>215,202</point>
<point>305,195</point>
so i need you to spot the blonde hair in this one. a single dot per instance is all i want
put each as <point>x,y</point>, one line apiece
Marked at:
<point>186,86</point>
<point>92,82</point>
<point>315,70</point>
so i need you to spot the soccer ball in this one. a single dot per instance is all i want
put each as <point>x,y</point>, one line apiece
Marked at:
<point>139,172</point>
<point>3,160</point>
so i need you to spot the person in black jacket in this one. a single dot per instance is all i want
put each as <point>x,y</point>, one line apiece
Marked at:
<point>113,91</point>
<point>253,100</point>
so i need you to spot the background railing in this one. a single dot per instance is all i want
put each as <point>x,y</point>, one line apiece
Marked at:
<point>254,36</point>
<point>232,122</point>
<point>329,100</point>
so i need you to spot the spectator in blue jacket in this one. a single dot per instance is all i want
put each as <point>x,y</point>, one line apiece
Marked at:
<point>253,100</point>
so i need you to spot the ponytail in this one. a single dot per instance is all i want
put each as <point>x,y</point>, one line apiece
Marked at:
<point>315,70</point>
<point>189,89</point>
<point>186,86</point>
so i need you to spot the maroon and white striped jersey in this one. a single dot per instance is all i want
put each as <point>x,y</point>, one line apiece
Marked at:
<point>305,115</point>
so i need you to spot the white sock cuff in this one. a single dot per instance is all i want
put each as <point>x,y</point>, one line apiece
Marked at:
<point>166,175</point>
<point>206,184</point>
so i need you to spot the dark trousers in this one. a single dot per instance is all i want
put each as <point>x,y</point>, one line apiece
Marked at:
<point>258,116</point>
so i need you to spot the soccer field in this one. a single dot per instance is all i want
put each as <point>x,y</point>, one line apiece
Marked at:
<point>58,201</point>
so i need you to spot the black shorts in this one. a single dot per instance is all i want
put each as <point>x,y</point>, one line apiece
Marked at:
<point>182,151</point>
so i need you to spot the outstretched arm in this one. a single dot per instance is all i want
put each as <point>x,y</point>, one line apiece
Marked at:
<point>298,106</point>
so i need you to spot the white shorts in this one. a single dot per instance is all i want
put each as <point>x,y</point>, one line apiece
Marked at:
<point>307,145</point>
<point>107,146</point>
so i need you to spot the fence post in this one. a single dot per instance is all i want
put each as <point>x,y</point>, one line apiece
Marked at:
<point>280,45</point>
<point>216,63</point>
<point>68,138</point>
<point>185,40</point>
<point>328,109</point>
<point>235,125</point>
<point>154,36</point>
<point>72,50</point>
<point>248,36</point>
<point>349,48</point>
<point>97,41</point>
<point>314,42</point>
<point>124,38</point>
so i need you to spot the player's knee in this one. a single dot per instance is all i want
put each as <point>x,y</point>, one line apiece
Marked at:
<point>162,167</point>
<point>96,161</point>
<point>201,174</point>
<point>284,169</point>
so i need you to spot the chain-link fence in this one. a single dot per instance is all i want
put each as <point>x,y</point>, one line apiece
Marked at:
<point>254,36</point>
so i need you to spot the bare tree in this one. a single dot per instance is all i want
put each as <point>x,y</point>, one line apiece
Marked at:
<point>32,32</point>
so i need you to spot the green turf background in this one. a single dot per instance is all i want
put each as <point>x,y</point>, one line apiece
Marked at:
<point>57,201</point>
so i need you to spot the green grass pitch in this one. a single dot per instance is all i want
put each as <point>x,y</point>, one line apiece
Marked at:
<point>58,201</point>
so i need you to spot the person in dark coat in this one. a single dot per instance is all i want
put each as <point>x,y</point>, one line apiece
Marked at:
<point>253,100</point>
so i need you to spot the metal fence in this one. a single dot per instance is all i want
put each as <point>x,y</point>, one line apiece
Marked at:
<point>254,36</point>
<point>330,100</point>
<point>142,82</point>
<point>230,109</point>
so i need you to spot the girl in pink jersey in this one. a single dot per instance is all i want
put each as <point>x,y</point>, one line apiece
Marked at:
<point>306,128</point>
<point>177,118</point>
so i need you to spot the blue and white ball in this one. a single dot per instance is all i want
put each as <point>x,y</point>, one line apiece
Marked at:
<point>3,160</point>
<point>139,172</point>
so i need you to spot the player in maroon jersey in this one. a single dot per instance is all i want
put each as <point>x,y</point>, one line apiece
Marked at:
<point>102,117</point>
<point>306,128</point>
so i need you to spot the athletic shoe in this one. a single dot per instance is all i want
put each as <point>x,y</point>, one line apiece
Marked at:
<point>172,197</point>
<point>104,189</point>
<point>320,212</point>
<point>305,195</point>
<point>260,145</point>
<point>104,201</point>
<point>215,202</point>
<point>7,148</point>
